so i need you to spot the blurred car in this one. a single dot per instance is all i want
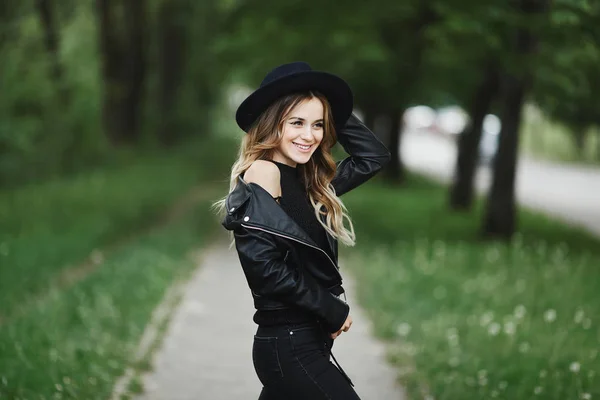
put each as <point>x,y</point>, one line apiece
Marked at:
<point>419,118</point>
<point>450,120</point>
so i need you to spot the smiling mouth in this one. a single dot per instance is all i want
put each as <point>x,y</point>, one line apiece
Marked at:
<point>302,146</point>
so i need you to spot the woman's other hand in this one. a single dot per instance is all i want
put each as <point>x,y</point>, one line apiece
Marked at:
<point>344,327</point>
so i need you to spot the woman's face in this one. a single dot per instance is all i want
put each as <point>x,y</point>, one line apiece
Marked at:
<point>302,133</point>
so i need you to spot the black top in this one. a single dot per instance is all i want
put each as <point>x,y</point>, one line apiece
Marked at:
<point>295,202</point>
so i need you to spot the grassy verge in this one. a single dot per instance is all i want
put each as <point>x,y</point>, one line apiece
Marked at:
<point>79,339</point>
<point>50,227</point>
<point>469,319</point>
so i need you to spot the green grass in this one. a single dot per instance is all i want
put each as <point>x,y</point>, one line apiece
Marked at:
<point>473,319</point>
<point>79,340</point>
<point>72,341</point>
<point>50,227</point>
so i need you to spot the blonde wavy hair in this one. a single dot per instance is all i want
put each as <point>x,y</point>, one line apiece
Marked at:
<point>265,136</point>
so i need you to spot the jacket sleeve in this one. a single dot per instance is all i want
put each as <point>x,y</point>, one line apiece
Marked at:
<point>367,156</point>
<point>269,275</point>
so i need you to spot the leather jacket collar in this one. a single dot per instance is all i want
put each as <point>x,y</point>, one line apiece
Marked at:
<point>252,205</point>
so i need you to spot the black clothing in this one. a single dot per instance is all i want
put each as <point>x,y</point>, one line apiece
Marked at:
<point>283,265</point>
<point>295,202</point>
<point>292,362</point>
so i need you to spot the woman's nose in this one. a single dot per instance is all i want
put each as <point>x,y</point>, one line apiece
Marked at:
<point>307,133</point>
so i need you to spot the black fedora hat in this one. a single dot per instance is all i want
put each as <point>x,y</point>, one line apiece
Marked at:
<point>296,77</point>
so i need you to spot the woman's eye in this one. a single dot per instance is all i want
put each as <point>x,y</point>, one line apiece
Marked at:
<point>319,125</point>
<point>297,123</point>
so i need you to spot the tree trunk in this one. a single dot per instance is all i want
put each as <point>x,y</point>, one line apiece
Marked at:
<point>47,17</point>
<point>395,170</point>
<point>406,80</point>
<point>111,54</point>
<point>461,192</point>
<point>170,67</point>
<point>500,216</point>
<point>135,20</point>
<point>123,68</point>
<point>598,145</point>
<point>579,134</point>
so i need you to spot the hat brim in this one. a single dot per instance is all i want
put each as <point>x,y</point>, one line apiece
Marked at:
<point>334,88</point>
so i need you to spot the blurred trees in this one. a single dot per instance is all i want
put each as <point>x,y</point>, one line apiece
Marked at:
<point>500,214</point>
<point>122,35</point>
<point>81,78</point>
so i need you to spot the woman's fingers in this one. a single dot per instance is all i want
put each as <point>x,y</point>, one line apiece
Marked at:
<point>344,328</point>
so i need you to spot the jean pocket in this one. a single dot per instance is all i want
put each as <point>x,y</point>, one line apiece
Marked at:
<point>265,357</point>
<point>307,343</point>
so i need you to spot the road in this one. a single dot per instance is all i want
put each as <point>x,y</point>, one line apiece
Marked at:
<point>570,193</point>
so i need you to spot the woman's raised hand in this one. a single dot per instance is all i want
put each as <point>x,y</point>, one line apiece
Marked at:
<point>344,327</point>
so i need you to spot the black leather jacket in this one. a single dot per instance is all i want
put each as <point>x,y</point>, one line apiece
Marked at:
<point>284,267</point>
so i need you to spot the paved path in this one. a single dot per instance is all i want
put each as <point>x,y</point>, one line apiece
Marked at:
<point>567,192</point>
<point>206,353</point>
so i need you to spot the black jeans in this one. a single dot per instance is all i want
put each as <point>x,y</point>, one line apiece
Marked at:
<point>292,362</point>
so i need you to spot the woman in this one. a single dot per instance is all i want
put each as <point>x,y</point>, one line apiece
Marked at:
<point>287,218</point>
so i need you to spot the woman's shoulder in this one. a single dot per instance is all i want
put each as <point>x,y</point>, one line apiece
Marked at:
<point>265,174</point>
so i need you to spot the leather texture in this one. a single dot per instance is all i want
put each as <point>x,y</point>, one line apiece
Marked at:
<point>283,266</point>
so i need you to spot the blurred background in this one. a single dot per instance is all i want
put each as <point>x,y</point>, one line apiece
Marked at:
<point>117,133</point>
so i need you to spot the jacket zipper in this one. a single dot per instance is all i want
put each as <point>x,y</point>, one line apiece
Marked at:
<point>296,240</point>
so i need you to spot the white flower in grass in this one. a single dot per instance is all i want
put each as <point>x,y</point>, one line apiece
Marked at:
<point>591,374</point>
<point>452,336</point>
<point>520,311</point>
<point>96,256</point>
<point>403,329</point>
<point>524,347</point>
<point>494,329</point>
<point>538,390</point>
<point>429,397</point>
<point>543,373</point>
<point>66,380</point>
<point>575,367</point>
<point>482,377</point>
<point>579,316</point>
<point>454,362</point>
<point>550,315</point>
<point>495,393</point>
<point>510,328</point>
<point>58,387</point>
<point>4,381</point>
<point>449,379</point>
<point>587,323</point>
<point>586,396</point>
<point>486,318</point>
<point>502,385</point>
